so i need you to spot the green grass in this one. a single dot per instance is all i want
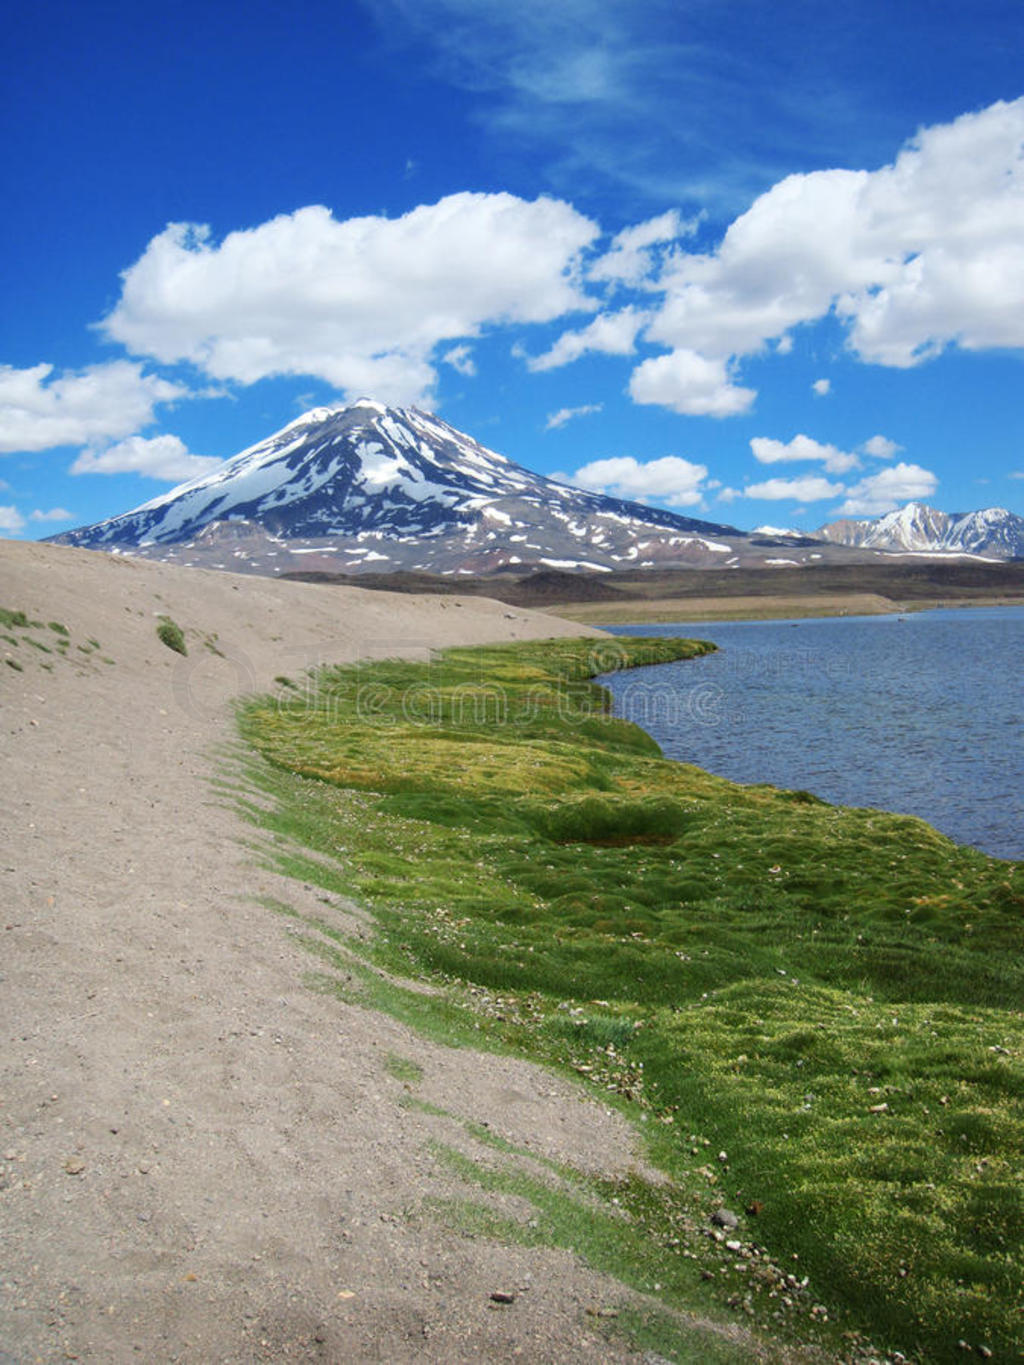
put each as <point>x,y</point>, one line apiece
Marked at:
<point>403,1069</point>
<point>171,634</point>
<point>831,997</point>
<point>10,617</point>
<point>57,642</point>
<point>616,1227</point>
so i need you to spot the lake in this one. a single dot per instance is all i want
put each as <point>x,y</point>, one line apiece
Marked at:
<point>919,714</point>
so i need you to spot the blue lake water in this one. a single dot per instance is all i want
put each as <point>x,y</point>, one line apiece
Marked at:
<point>918,714</point>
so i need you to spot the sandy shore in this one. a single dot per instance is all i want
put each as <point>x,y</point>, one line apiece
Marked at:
<point>653,610</point>
<point>666,610</point>
<point>202,1159</point>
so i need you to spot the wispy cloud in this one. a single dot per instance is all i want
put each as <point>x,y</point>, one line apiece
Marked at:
<point>563,415</point>
<point>460,358</point>
<point>666,99</point>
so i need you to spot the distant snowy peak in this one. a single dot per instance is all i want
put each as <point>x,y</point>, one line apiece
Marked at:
<point>399,487</point>
<point>993,533</point>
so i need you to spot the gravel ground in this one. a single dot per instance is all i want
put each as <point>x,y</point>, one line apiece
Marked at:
<point>200,1158</point>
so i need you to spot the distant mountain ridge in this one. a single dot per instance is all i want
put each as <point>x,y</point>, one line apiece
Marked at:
<point>993,533</point>
<point>362,487</point>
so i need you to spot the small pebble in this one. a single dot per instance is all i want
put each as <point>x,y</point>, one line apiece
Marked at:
<point>725,1218</point>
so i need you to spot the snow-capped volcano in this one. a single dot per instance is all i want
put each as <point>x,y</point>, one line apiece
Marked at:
<point>364,485</point>
<point>993,533</point>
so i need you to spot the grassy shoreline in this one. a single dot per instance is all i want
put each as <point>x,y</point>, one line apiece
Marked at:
<point>803,1005</point>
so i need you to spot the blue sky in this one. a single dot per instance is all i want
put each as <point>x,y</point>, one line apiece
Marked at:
<point>760,263</point>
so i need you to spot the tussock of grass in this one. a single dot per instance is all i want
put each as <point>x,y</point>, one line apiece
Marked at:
<point>403,1069</point>
<point>172,635</point>
<point>10,617</point>
<point>59,638</point>
<point>831,997</point>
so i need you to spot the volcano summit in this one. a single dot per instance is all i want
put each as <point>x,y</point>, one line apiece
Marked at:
<point>364,486</point>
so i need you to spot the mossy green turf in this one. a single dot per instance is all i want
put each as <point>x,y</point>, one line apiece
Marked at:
<point>832,996</point>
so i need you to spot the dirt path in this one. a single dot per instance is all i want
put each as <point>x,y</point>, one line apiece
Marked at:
<point>202,1159</point>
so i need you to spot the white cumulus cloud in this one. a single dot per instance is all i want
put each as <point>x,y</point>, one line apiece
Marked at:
<point>54,514</point>
<point>881,447</point>
<point>689,383</point>
<point>922,254</point>
<point>821,387</point>
<point>671,479</point>
<point>836,461</point>
<point>563,415</point>
<point>155,457</point>
<point>361,303</point>
<point>811,488</point>
<point>887,489</point>
<point>631,260</point>
<point>40,410</point>
<point>11,519</point>
<point>609,333</point>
